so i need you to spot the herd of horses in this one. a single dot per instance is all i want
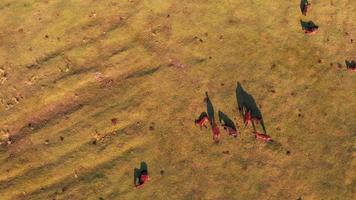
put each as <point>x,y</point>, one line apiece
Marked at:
<point>246,104</point>
<point>248,110</point>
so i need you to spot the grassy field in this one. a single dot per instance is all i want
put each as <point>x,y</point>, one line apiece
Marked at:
<point>69,68</point>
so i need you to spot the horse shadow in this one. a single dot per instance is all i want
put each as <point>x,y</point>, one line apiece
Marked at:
<point>202,115</point>
<point>245,103</point>
<point>226,120</point>
<point>303,4</point>
<point>240,93</point>
<point>137,172</point>
<point>350,64</point>
<point>308,25</point>
<point>210,109</point>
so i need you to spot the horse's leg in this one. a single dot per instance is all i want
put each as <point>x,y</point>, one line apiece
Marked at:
<point>253,125</point>
<point>263,126</point>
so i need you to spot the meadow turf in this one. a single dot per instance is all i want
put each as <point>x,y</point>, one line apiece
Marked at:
<point>70,69</point>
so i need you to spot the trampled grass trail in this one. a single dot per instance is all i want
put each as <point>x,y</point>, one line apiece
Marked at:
<point>89,89</point>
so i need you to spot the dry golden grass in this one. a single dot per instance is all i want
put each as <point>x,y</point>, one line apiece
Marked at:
<point>69,67</point>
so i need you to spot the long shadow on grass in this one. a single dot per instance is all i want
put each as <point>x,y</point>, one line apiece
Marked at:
<point>210,109</point>
<point>303,6</point>
<point>226,120</point>
<point>308,25</point>
<point>246,103</point>
<point>202,115</point>
<point>228,124</point>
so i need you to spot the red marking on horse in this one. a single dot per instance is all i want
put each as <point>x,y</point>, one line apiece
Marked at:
<point>262,137</point>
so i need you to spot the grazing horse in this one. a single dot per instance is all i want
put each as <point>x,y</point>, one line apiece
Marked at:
<point>309,27</point>
<point>351,65</point>
<point>228,124</point>
<point>231,131</point>
<point>247,105</point>
<point>247,118</point>
<point>305,8</point>
<point>262,137</point>
<point>202,120</point>
<point>311,30</point>
<point>216,132</point>
<point>143,178</point>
